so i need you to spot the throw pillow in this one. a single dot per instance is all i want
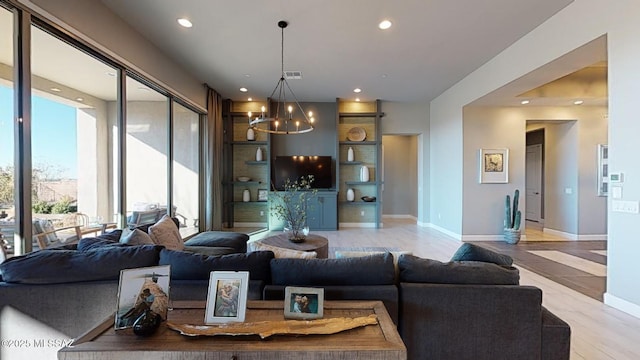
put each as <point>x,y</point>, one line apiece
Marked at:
<point>191,266</point>
<point>166,233</point>
<point>135,237</point>
<point>68,266</point>
<point>471,252</point>
<point>418,270</point>
<point>368,270</point>
<point>282,253</point>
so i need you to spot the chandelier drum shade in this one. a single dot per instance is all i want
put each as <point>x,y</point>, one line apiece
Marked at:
<point>289,117</point>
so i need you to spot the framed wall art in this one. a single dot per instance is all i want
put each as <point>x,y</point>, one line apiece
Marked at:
<point>303,303</point>
<point>494,166</point>
<point>263,195</point>
<point>227,297</point>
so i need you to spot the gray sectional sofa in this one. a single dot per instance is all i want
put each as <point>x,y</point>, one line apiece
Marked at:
<point>457,310</point>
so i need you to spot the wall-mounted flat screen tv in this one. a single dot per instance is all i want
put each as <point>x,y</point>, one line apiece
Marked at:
<point>293,167</point>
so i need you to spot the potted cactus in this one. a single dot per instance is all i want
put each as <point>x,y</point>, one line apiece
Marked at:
<point>512,218</point>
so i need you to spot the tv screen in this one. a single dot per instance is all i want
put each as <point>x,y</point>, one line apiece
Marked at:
<point>293,167</point>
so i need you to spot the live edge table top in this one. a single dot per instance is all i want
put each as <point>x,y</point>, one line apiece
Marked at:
<point>375,342</point>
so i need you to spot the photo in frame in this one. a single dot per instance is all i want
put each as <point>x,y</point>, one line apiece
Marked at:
<point>263,194</point>
<point>603,170</point>
<point>227,297</point>
<point>494,166</point>
<point>139,290</point>
<point>303,303</point>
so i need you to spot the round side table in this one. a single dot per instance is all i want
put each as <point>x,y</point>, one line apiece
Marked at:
<point>317,243</point>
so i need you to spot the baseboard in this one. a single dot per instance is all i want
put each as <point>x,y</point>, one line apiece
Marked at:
<point>622,305</point>
<point>398,216</point>
<point>444,231</point>
<point>575,237</point>
<point>357,225</point>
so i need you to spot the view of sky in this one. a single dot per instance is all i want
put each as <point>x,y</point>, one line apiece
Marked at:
<point>53,134</point>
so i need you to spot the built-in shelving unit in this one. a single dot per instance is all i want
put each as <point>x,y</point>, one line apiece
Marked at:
<point>240,160</point>
<point>368,153</point>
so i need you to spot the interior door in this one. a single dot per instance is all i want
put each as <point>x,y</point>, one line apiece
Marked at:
<point>534,183</point>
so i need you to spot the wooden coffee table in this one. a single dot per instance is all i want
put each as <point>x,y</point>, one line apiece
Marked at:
<point>379,341</point>
<point>316,243</point>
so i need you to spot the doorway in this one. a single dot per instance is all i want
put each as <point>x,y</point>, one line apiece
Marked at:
<point>534,184</point>
<point>400,177</point>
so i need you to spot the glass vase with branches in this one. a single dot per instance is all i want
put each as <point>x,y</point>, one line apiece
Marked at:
<point>291,206</point>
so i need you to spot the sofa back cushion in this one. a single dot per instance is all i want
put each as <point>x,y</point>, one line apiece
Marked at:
<point>418,270</point>
<point>193,266</point>
<point>368,270</point>
<point>67,266</point>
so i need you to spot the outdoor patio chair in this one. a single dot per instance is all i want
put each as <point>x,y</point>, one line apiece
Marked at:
<point>47,236</point>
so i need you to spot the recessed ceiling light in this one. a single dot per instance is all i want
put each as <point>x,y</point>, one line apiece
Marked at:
<point>185,22</point>
<point>578,102</point>
<point>357,99</point>
<point>247,75</point>
<point>79,99</point>
<point>357,90</point>
<point>110,73</point>
<point>524,102</point>
<point>55,89</point>
<point>384,76</point>
<point>143,88</point>
<point>250,99</point>
<point>384,24</point>
<point>243,89</point>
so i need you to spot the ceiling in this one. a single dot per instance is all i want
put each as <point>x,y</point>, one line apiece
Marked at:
<point>336,44</point>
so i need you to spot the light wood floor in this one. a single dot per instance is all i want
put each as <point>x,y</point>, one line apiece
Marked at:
<point>598,331</point>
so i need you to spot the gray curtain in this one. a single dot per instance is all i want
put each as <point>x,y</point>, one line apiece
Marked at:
<point>213,161</point>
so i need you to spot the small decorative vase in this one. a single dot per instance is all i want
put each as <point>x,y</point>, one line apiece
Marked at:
<point>147,323</point>
<point>364,173</point>
<point>296,235</point>
<point>350,155</point>
<point>251,134</point>
<point>350,195</point>
<point>259,154</point>
<point>246,195</point>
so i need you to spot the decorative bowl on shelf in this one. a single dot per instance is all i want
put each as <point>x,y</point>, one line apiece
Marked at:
<point>243,178</point>
<point>368,198</point>
<point>356,134</point>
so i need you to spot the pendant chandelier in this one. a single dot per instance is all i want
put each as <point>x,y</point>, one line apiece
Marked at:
<point>289,118</point>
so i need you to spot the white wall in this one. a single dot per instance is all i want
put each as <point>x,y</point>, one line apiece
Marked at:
<point>571,163</point>
<point>577,24</point>
<point>412,119</point>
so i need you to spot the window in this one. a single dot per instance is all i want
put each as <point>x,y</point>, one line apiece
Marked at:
<point>73,116</point>
<point>146,147</point>
<point>7,168</point>
<point>186,191</point>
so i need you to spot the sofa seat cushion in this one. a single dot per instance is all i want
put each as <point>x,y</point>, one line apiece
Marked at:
<point>418,270</point>
<point>192,266</point>
<point>210,251</point>
<point>367,270</point>
<point>230,239</point>
<point>67,266</point>
<point>471,252</point>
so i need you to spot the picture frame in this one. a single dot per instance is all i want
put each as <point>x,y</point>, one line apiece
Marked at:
<point>493,166</point>
<point>303,303</point>
<point>227,297</point>
<point>263,194</point>
<point>603,170</point>
<point>141,289</point>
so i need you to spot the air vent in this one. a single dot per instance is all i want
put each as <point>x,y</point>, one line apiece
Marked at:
<point>293,75</point>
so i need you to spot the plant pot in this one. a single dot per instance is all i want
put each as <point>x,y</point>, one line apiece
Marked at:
<point>511,236</point>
